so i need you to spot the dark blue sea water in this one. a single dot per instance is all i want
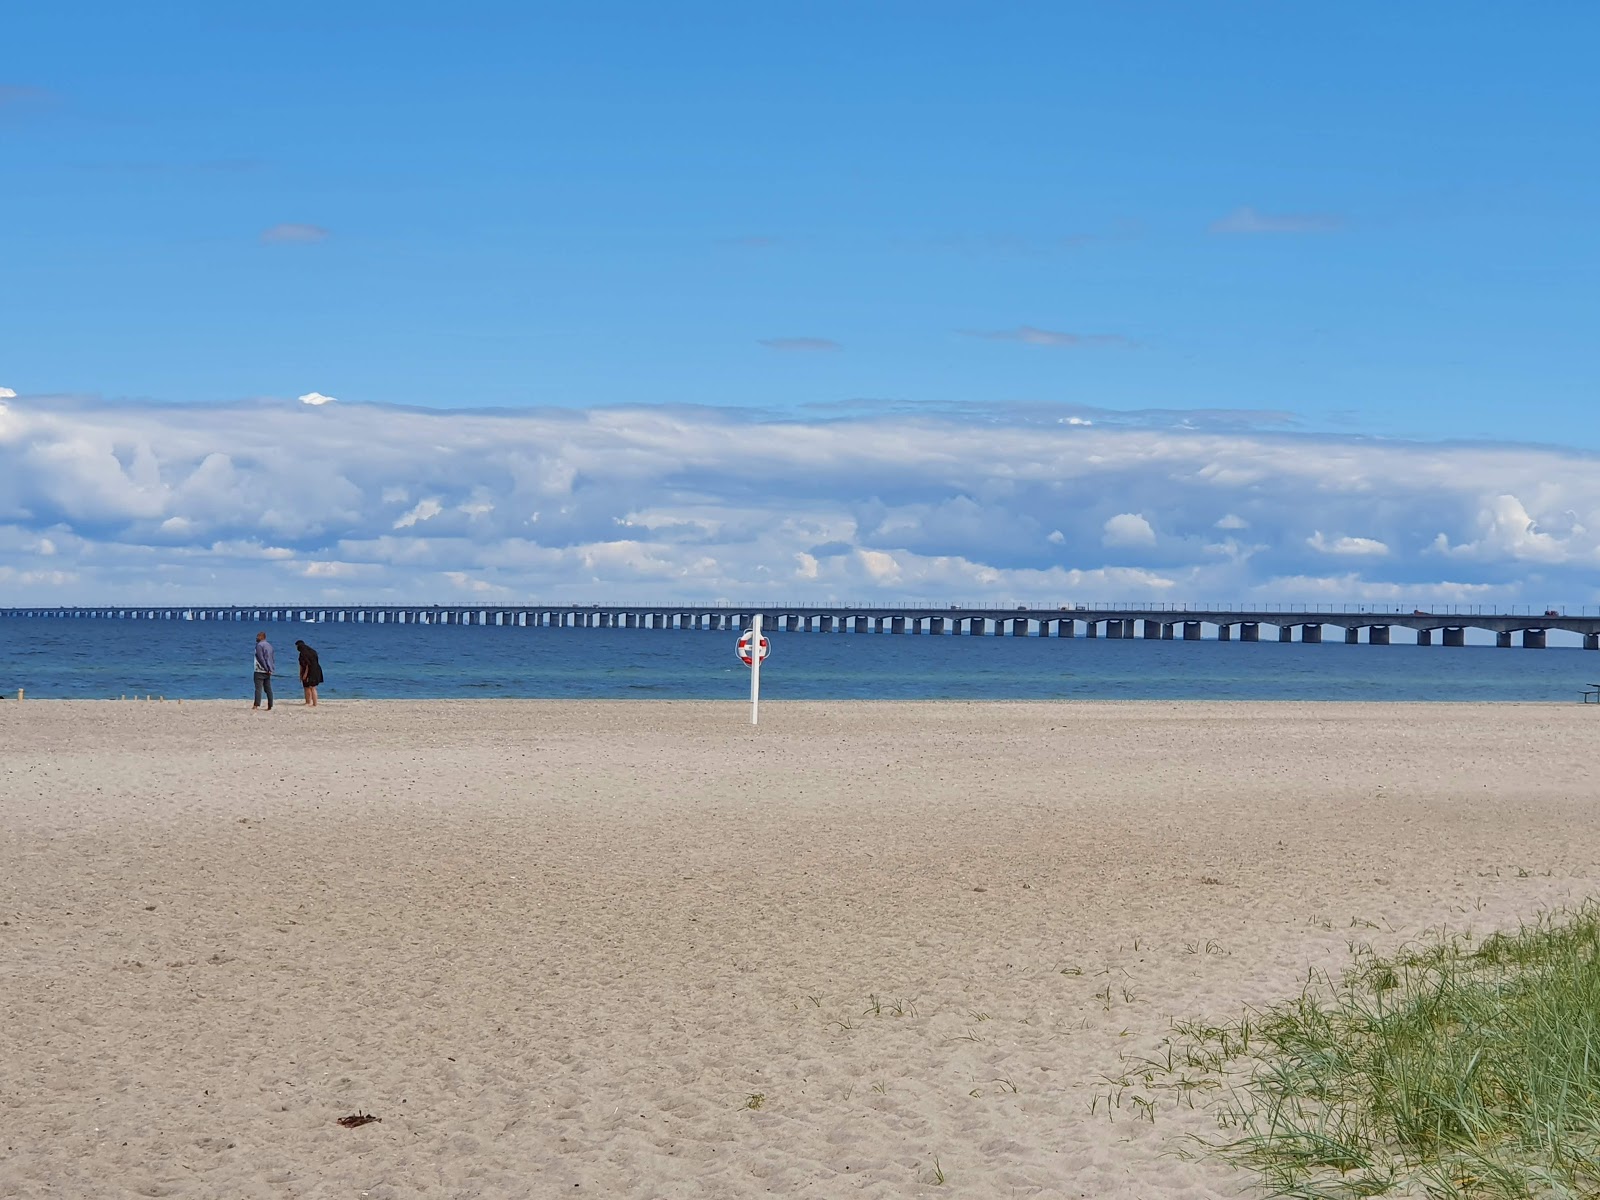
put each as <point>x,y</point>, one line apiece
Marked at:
<point>210,660</point>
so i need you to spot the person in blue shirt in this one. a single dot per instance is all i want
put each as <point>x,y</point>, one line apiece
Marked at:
<point>265,669</point>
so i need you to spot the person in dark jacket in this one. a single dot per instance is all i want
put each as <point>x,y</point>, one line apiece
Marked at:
<point>310,672</point>
<point>264,670</point>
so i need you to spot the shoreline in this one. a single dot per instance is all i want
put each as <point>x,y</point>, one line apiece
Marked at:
<point>724,702</point>
<point>563,945</point>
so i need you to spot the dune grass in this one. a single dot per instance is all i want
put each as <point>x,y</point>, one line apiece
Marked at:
<point>1455,1069</point>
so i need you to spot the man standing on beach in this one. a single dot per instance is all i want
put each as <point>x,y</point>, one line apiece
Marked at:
<point>264,670</point>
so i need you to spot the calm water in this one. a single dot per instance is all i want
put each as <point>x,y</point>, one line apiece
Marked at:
<point>209,660</point>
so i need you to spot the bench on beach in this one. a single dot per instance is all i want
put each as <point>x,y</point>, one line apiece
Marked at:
<point>1591,694</point>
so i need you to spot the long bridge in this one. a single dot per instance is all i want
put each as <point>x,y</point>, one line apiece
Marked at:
<point>1166,622</point>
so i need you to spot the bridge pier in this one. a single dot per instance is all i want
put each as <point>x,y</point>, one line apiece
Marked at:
<point>1455,637</point>
<point>1152,631</point>
<point>1286,633</point>
<point>897,624</point>
<point>1166,631</point>
<point>1066,627</point>
<point>1533,639</point>
<point>1311,634</point>
<point>1224,633</point>
<point>1191,631</point>
<point>1591,641</point>
<point>1502,639</point>
<point>1019,627</point>
<point>1424,637</point>
<point>1352,635</point>
<point>936,625</point>
<point>975,626</point>
<point>1377,635</point>
<point>861,624</point>
<point>1249,631</point>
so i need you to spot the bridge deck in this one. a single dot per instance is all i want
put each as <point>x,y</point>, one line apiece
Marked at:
<point>1170,622</point>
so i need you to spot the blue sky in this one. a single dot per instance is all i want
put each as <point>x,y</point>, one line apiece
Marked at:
<point>1329,223</point>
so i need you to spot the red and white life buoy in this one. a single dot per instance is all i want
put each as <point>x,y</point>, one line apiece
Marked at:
<point>744,649</point>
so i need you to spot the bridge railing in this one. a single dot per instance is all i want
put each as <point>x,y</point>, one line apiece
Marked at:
<point>986,605</point>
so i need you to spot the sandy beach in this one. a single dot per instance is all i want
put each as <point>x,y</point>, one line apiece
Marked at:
<point>639,949</point>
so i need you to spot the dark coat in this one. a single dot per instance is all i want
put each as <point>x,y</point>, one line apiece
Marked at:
<point>310,666</point>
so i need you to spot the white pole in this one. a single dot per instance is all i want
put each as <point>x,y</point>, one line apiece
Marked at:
<point>755,667</point>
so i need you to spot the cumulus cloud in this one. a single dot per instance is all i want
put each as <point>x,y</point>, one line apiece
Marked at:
<point>102,499</point>
<point>316,399</point>
<point>7,394</point>
<point>801,345</point>
<point>291,232</point>
<point>1249,220</point>
<point>1506,530</point>
<point>425,510</point>
<point>1033,336</point>
<point>1128,529</point>
<point>1349,546</point>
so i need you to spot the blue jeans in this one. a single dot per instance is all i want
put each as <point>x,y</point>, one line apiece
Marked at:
<point>263,681</point>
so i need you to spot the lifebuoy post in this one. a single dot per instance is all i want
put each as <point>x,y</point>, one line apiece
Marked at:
<point>752,648</point>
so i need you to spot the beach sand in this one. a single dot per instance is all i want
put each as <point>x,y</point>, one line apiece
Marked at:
<point>560,947</point>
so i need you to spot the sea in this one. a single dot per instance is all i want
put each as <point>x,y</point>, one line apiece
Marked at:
<point>204,660</point>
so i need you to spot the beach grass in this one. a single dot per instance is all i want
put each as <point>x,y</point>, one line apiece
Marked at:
<point>1457,1068</point>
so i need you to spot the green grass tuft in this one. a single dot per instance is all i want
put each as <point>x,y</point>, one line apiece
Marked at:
<point>1450,1070</point>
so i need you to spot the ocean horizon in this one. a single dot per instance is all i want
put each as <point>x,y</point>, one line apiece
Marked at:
<point>107,659</point>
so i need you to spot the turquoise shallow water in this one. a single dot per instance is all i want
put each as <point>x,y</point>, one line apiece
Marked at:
<point>210,660</point>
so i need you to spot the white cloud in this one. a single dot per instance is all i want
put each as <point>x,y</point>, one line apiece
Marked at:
<point>883,567</point>
<point>1506,530</point>
<point>250,550</point>
<point>1128,529</point>
<point>316,399</point>
<point>1350,546</point>
<point>332,570</point>
<point>143,500</point>
<point>7,394</point>
<point>425,510</point>
<point>12,575</point>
